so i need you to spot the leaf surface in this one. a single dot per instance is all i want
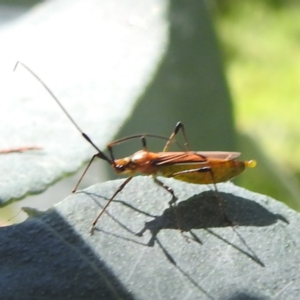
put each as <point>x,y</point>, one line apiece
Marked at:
<point>51,255</point>
<point>96,57</point>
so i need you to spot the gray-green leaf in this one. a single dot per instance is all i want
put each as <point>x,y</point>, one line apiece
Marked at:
<point>52,255</point>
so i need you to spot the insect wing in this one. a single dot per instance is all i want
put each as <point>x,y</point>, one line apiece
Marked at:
<point>172,158</point>
<point>167,158</point>
<point>219,155</point>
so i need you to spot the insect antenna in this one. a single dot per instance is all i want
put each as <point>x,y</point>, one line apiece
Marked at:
<point>100,154</point>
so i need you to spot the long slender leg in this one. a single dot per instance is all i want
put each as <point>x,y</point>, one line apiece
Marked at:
<point>143,139</point>
<point>178,126</point>
<point>217,194</point>
<point>167,188</point>
<point>110,147</point>
<point>172,202</point>
<point>84,172</point>
<point>120,188</point>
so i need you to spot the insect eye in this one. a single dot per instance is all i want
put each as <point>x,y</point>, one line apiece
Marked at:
<point>121,168</point>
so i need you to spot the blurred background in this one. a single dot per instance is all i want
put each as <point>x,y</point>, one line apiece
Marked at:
<point>260,43</point>
<point>237,91</point>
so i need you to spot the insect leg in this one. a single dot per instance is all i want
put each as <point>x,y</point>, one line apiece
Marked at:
<point>201,170</point>
<point>167,188</point>
<point>217,194</point>
<point>172,202</point>
<point>143,139</point>
<point>178,126</point>
<point>111,144</point>
<point>120,188</point>
<point>83,174</point>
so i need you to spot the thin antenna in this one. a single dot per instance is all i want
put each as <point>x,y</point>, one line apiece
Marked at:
<point>100,154</point>
<point>50,92</point>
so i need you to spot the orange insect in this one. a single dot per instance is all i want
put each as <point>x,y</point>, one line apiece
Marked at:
<point>207,167</point>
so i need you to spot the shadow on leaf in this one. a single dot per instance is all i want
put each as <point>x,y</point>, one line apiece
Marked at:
<point>203,211</point>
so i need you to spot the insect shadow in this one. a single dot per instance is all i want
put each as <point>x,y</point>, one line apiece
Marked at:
<point>203,211</point>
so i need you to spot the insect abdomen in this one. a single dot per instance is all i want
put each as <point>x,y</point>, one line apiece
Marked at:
<point>204,173</point>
